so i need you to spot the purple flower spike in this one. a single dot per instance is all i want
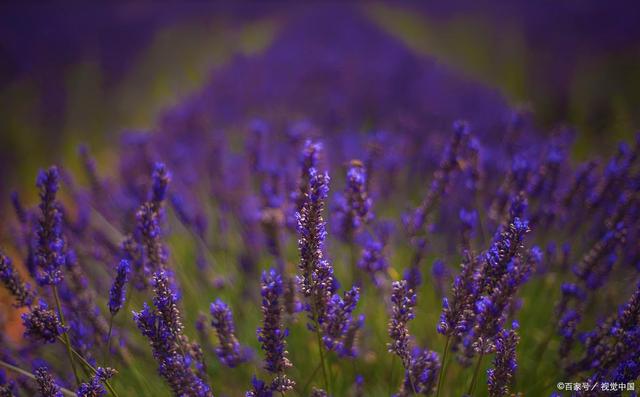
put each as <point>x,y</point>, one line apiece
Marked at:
<point>117,293</point>
<point>160,180</point>
<point>272,334</point>
<point>46,384</point>
<point>42,324</point>
<point>259,389</point>
<point>404,300</point>
<point>162,327</point>
<point>354,210</point>
<point>316,274</point>
<point>504,363</point>
<point>338,318</point>
<point>12,281</point>
<point>50,245</point>
<point>95,388</point>
<point>230,352</point>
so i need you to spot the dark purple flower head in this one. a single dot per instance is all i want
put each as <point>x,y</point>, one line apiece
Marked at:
<point>596,264</point>
<point>318,393</point>
<point>229,351</point>
<point>148,228</point>
<point>162,327</point>
<point>422,374</point>
<point>316,274</point>
<point>12,281</point>
<point>160,180</point>
<point>458,310</point>
<point>259,389</point>
<point>117,293</point>
<point>308,160</point>
<point>272,334</point>
<point>354,210</point>
<point>46,384</point>
<point>42,324</point>
<point>403,301</point>
<point>20,211</point>
<point>450,162</point>
<point>95,388</point>
<point>50,246</point>
<point>469,220</point>
<point>373,260</point>
<point>338,318</point>
<point>349,343</point>
<point>504,363</point>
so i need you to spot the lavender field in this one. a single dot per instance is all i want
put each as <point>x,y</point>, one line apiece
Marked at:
<point>319,200</point>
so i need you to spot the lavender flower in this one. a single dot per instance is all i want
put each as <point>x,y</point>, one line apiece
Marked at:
<point>46,384</point>
<point>160,180</point>
<point>404,300</point>
<point>117,293</point>
<point>450,162</point>
<point>148,228</point>
<point>259,389</point>
<point>338,319</point>
<point>354,209</point>
<point>318,393</point>
<point>458,310</point>
<point>504,364</point>
<point>95,388</point>
<point>422,374</point>
<point>50,247</point>
<point>230,352</point>
<point>42,324</point>
<point>163,328</point>
<point>12,281</point>
<point>349,341</point>
<point>272,334</point>
<point>308,160</point>
<point>316,274</point>
<point>373,261</point>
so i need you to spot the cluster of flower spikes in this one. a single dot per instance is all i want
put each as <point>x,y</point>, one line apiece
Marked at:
<point>330,314</point>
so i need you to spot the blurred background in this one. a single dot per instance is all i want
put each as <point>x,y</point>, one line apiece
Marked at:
<point>85,72</point>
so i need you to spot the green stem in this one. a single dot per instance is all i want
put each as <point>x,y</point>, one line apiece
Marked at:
<point>472,386</point>
<point>29,375</point>
<point>91,368</point>
<point>324,370</point>
<point>393,366</point>
<point>65,335</point>
<point>444,365</point>
<point>313,375</point>
<point>108,352</point>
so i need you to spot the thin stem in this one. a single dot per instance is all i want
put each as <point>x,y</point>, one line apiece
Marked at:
<point>29,375</point>
<point>107,353</point>
<point>313,374</point>
<point>444,365</point>
<point>90,367</point>
<point>475,375</point>
<point>324,370</point>
<point>65,335</point>
<point>393,366</point>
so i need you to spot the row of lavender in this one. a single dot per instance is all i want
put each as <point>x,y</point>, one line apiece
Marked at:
<point>110,240</point>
